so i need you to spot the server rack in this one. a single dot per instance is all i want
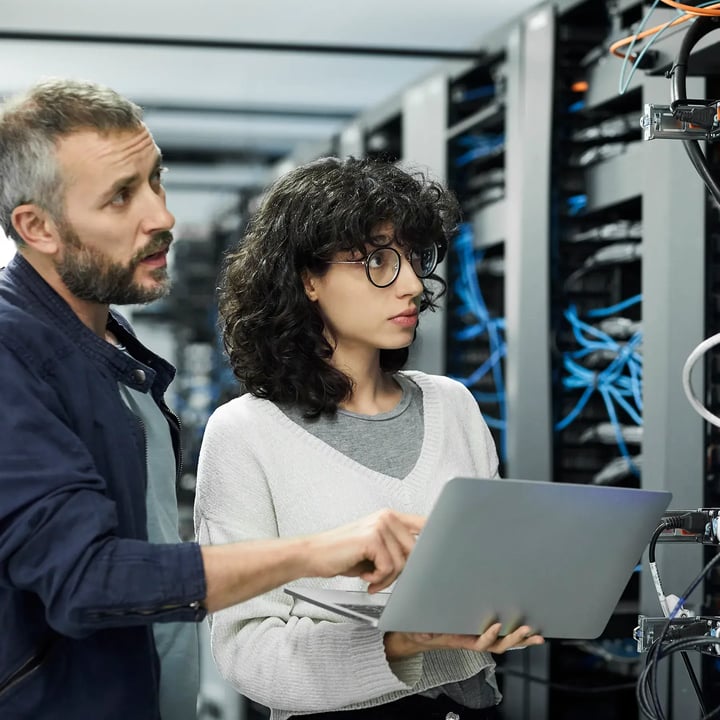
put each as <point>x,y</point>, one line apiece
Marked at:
<point>596,308</point>
<point>384,141</point>
<point>586,241</point>
<point>619,250</point>
<point>424,112</point>
<point>498,320</point>
<point>710,667</point>
<point>376,133</point>
<point>475,329</point>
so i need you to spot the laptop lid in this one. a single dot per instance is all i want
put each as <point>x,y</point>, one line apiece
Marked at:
<point>556,556</point>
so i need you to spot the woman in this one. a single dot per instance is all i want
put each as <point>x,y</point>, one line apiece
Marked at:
<point>319,305</point>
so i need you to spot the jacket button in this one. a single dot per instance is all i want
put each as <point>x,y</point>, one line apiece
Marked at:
<point>139,376</point>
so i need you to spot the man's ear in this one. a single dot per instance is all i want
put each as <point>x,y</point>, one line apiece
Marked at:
<point>37,229</point>
<point>309,285</point>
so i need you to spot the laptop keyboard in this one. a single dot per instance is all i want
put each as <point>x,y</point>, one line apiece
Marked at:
<point>371,610</point>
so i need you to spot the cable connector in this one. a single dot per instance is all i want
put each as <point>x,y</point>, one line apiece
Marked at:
<point>659,121</point>
<point>699,114</point>
<point>649,629</point>
<point>692,521</point>
<point>620,252</point>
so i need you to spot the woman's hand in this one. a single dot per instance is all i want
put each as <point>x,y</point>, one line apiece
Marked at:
<point>399,645</point>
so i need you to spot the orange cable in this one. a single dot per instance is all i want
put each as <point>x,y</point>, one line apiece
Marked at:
<point>710,11</point>
<point>646,33</point>
<point>691,13</point>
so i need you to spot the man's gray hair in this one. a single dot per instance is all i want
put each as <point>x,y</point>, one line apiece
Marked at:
<point>31,125</point>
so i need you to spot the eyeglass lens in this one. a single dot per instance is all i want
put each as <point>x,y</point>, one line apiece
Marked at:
<point>424,261</point>
<point>383,264</point>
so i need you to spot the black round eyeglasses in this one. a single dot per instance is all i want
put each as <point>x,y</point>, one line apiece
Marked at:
<point>382,265</point>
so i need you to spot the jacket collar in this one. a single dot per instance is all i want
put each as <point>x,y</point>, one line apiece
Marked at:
<point>138,367</point>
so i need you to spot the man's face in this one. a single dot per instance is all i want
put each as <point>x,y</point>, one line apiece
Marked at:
<point>116,226</point>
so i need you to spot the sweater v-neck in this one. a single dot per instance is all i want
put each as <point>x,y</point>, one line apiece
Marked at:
<point>429,451</point>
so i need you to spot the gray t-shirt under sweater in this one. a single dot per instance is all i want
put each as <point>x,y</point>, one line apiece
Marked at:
<point>390,443</point>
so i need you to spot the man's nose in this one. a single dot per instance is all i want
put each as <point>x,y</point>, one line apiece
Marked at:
<point>157,217</point>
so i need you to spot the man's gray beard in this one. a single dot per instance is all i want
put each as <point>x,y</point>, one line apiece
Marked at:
<point>89,275</point>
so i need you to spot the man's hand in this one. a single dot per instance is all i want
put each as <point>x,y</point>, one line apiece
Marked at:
<point>374,548</point>
<point>399,645</point>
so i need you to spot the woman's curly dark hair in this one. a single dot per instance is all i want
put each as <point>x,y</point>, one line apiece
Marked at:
<point>272,332</point>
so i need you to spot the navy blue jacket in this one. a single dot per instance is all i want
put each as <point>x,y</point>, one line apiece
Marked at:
<point>79,584</point>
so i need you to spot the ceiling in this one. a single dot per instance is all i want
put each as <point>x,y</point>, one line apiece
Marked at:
<point>231,86</point>
<point>242,101</point>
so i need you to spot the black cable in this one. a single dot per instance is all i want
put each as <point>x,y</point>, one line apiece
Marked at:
<point>693,679</point>
<point>668,523</point>
<point>646,691</point>
<point>647,685</point>
<point>699,28</point>
<point>682,646</point>
<point>647,697</point>
<point>664,525</point>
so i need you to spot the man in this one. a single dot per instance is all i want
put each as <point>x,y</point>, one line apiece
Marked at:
<point>89,450</point>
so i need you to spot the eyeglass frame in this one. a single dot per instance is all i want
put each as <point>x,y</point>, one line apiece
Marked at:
<point>366,260</point>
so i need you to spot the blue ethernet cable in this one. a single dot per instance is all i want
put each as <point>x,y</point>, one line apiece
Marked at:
<point>626,355</point>
<point>624,82</point>
<point>472,303</point>
<point>480,146</point>
<point>483,92</point>
<point>576,204</point>
<point>614,309</point>
<point>619,384</point>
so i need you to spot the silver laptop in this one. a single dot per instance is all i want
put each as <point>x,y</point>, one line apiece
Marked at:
<point>555,556</point>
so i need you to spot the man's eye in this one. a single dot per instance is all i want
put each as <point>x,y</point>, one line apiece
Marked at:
<point>157,175</point>
<point>120,197</point>
<point>376,261</point>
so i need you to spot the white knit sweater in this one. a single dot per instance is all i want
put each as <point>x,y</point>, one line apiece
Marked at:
<point>261,475</point>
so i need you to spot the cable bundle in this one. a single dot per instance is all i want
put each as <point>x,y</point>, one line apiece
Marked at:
<point>619,383</point>
<point>472,304</point>
<point>647,686</point>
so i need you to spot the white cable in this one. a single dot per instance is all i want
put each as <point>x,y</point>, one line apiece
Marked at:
<point>659,589</point>
<point>694,356</point>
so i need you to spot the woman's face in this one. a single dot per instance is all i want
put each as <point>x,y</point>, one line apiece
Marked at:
<point>358,316</point>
